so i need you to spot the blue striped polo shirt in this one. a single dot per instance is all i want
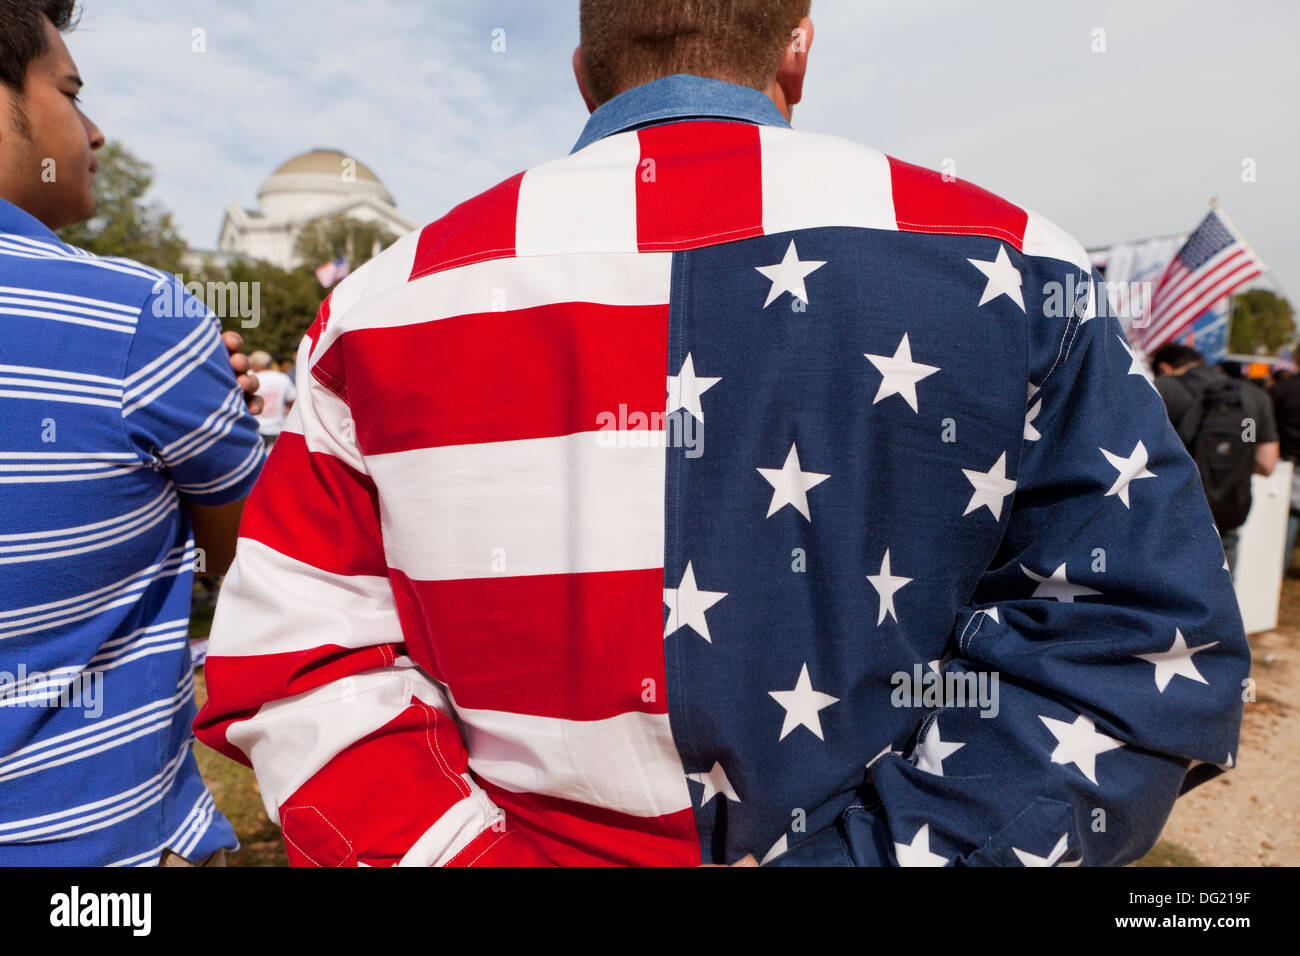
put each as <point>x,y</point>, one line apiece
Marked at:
<point>117,405</point>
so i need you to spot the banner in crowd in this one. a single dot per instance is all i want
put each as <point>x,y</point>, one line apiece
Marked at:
<point>1209,333</point>
<point>1131,270</point>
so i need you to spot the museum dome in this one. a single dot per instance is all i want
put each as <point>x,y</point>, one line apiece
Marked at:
<point>316,180</point>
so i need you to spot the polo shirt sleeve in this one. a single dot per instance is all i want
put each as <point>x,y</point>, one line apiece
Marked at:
<point>182,409</point>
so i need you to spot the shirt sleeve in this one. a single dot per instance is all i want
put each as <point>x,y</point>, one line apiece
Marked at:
<point>356,749</point>
<point>182,408</point>
<point>1111,698</point>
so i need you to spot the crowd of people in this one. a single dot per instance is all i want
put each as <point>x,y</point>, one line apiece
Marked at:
<point>1234,426</point>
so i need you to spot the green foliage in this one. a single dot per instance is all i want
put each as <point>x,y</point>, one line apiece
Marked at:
<point>287,301</point>
<point>123,224</point>
<point>1261,319</point>
<point>326,239</point>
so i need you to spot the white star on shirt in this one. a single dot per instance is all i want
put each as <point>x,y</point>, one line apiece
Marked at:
<point>991,487</point>
<point>1177,660</point>
<point>899,374</point>
<point>1130,470</point>
<point>1079,743</point>
<point>801,705</point>
<point>1135,365</point>
<point>1058,851</point>
<point>687,604</point>
<point>715,782</point>
<point>887,584</point>
<point>1058,586</point>
<point>1004,279</point>
<point>778,848</point>
<point>1031,433</point>
<point>790,485</point>
<point>917,853</point>
<point>684,390</point>
<point>788,275</point>
<point>933,750</point>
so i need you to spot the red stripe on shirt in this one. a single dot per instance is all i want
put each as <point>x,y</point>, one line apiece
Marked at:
<point>500,376</point>
<point>416,761</point>
<point>243,683</point>
<point>698,183</point>
<point>925,202</point>
<point>318,327</point>
<point>316,509</point>
<point>597,651</point>
<point>574,834</point>
<point>478,229</point>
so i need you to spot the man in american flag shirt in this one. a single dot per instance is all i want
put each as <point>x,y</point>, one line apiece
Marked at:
<point>495,602</point>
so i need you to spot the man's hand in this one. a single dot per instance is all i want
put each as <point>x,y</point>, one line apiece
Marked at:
<point>246,379</point>
<point>746,860</point>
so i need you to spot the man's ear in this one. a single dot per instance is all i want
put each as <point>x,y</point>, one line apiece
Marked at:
<point>789,78</point>
<point>581,77</point>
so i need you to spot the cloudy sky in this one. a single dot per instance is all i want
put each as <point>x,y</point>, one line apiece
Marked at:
<point>1114,145</point>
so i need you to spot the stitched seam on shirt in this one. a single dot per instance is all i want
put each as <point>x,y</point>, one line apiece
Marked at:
<point>330,382</point>
<point>982,616</point>
<point>1071,331</point>
<point>351,850</point>
<point>481,852</point>
<point>431,738</point>
<point>958,230</point>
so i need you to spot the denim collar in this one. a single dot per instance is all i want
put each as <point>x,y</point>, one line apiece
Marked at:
<point>679,97</point>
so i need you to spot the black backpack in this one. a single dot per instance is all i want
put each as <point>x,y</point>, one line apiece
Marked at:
<point>1211,428</point>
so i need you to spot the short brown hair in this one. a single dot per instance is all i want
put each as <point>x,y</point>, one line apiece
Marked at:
<point>626,42</point>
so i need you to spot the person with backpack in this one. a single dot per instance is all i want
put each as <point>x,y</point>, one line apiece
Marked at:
<point>1228,427</point>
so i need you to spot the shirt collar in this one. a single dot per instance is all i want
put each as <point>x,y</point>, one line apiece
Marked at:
<point>19,222</point>
<point>679,97</point>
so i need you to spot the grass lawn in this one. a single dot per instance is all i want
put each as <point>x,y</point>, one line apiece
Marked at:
<point>233,786</point>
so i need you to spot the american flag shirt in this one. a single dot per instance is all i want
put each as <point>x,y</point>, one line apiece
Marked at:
<point>722,489</point>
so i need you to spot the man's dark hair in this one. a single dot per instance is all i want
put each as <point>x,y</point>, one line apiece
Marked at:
<point>22,34</point>
<point>1176,355</point>
<point>625,44</point>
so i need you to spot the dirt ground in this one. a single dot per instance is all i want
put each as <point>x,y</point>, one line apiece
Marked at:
<point>1250,816</point>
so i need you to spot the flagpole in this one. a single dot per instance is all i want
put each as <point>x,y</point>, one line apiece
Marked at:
<point>1232,226</point>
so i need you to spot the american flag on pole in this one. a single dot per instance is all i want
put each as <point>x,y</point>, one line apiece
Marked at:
<point>1214,263</point>
<point>333,272</point>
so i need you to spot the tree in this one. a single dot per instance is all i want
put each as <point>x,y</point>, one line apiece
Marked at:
<point>1261,319</point>
<point>123,224</point>
<point>354,239</point>
<point>286,303</point>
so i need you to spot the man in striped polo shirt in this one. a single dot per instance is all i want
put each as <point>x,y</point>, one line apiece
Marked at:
<point>124,441</point>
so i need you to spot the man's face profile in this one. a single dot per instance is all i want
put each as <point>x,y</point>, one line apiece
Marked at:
<point>47,145</point>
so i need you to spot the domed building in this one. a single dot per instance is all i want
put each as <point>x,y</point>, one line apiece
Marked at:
<point>321,184</point>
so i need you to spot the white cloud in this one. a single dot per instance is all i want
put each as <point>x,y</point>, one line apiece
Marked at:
<point>1112,146</point>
